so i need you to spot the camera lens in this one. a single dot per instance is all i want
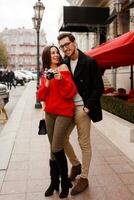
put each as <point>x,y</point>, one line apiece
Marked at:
<point>49,75</point>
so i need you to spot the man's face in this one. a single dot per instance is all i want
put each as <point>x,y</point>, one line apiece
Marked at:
<point>67,46</point>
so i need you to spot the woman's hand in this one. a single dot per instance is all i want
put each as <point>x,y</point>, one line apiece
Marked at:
<point>58,76</point>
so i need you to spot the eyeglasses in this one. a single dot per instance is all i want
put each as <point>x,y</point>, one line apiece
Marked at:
<point>66,45</point>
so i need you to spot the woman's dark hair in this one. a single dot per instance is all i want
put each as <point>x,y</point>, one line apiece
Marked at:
<point>64,35</point>
<point>46,57</point>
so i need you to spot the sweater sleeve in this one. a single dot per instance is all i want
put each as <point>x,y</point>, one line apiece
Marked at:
<point>67,86</point>
<point>42,90</point>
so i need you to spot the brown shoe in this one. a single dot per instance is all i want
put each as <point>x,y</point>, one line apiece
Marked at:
<point>76,170</point>
<point>80,186</point>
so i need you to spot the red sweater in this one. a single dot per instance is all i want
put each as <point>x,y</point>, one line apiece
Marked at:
<point>58,97</point>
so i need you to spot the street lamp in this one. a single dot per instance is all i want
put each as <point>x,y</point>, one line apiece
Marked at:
<point>38,15</point>
<point>118,7</point>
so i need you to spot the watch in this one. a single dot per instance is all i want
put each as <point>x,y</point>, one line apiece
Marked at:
<point>86,110</point>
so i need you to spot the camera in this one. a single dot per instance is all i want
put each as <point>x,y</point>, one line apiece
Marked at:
<point>50,74</point>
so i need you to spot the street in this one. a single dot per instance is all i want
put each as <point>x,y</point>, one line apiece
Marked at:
<point>14,95</point>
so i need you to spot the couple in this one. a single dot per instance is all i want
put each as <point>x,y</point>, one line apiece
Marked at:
<point>71,98</point>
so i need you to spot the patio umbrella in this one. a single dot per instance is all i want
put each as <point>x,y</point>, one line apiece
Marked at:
<point>116,52</point>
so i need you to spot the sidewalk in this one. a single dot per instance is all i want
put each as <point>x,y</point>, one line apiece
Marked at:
<point>24,171</point>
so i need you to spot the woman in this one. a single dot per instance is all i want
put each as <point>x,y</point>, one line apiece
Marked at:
<point>57,91</point>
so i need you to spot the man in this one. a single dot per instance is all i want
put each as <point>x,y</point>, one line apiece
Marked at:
<point>87,77</point>
<point>10,78</point>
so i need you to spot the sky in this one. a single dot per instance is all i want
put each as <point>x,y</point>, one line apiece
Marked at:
<point>19,13</point>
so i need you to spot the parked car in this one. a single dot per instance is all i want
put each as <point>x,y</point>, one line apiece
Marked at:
<point>4,93</point>
<point>19,79</point>
<point>34,74</point>
<point>29,73</point>
<point>25,77</point>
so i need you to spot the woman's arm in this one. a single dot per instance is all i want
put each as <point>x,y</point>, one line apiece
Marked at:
<point>43,89</point>
<point>67,87</point>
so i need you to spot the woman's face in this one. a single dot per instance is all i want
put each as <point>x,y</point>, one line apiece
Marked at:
<point>55,56</point>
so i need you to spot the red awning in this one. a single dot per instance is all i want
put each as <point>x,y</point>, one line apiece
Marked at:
<point>116,52</point>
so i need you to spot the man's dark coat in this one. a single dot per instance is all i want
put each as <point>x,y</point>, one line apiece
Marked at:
<point>89,83</point>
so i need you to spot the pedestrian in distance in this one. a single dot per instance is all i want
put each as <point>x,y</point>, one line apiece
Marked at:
<point>57,90</point>
<point>87,78</point>
<point>10,78</point>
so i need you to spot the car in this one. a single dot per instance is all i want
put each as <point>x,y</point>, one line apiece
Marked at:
<point>19,79</point>
<point>34,73</point>
<point>25,77</point>
<point>4,93</point>
<point>29,73</point>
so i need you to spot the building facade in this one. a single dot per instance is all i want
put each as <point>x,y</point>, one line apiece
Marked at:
<point>120,21</point>
<point>22,46</point>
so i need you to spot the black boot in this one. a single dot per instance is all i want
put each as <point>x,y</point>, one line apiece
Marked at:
<point>54,173</point>
<point>65,181</point>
